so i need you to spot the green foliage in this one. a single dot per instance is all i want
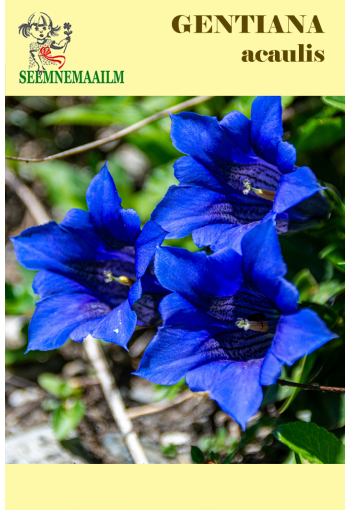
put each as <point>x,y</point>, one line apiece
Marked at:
<point>168,392</point>
<point>19,297</point>
<point>154,189</point>
<point>336,101</point>
<point>299,375</point>
<point>313,443</point>
<point>68,409</point>
<point>320,133</point>
<point>67,417</point>
<point>169,450</point>
<point>197,455</point>
<point>220,442</point>
<point>57,386</point>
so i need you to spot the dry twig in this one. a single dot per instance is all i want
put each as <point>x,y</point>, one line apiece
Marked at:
<point>114,399</point>
<point>157,407</point>
<point>119,134</point>
<point>310,386</point>
<point>27,196</point>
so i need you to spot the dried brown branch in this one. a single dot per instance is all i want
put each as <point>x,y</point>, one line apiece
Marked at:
<point>27,196</point>
<point>123,132</point>
<point>157,407</point>
<point>313,387</point>
<point>114,399</point>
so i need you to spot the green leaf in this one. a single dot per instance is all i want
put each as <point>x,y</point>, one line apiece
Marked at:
<point>154,189</point>
<point>327,290</point>
<point>66,418</point>
<point>50,404</point>
<point>169,450</point>
<point>168,392</point>
<point>229,458</point>
<point>320,133</point>
<point>197,455</point>
<point>56,386</point>
<point>306,283</point>
<point>334,255</point>
<point>327,313</point>
<point>313,443</point>
<point>299,374</point>
<point>336,101</point>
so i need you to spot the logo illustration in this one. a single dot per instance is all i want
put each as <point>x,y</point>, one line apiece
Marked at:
<point>41,28</point>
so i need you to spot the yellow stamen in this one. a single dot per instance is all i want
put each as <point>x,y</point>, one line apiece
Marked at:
<point>243,324</point>
<point>253,325</point>
<point>123,280</point>
<point>263,193</point>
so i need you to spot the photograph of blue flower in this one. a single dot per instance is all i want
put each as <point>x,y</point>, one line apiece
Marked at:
<point>175,280</point>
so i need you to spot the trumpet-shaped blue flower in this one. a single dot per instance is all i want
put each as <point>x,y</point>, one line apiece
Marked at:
<point>230,323</point>
<point>91,276</point>
<point>235,173</point>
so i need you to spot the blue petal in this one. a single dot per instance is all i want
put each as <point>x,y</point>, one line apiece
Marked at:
<point>179,345</point>
<point>80,223</point>
<point>179,313</point>
<point>135,292</point>
<point>189,171</point>
<point>299,334</point>
<point>189,274</point>
<point>131,225</point>
<point>118,326</point>
<point>264,268</point>
<point>116,226</point>
<point>203,138</point>
<point>229,179</point>
<point>286,157</point>
<point>187,208</point>
<point>55,317</point>
<point>267,128</point>
<point>234,385</point>
<point>216,236</point>
<point>151,237</point>
<point>316,207</point>
<point>237,127</point>
<point>50,247</point>
<point>171,353</point>
<point>270,369</point>
<point>294,188</point>
<point>85,329</point>
<point>222,237</point>
<point>46,283</point>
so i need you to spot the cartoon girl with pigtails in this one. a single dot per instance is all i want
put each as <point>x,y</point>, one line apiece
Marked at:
<point>40,27</point>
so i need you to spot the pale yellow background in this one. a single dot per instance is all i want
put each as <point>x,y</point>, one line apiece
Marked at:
<point>130,487</point>
<point>136,36</point>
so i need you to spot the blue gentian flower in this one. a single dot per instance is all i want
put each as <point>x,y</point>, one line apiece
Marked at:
<point>230,323</point>
<point>91,277</point>
<point>235,173</point>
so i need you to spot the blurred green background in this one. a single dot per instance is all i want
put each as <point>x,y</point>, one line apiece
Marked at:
<point>142,167</point>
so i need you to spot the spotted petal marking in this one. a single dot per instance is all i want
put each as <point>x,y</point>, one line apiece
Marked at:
<point>260,175</point>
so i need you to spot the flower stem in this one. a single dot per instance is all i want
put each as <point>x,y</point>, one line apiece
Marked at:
<point>310,386</point>
<point>114,399</point>
<point>123,132</point>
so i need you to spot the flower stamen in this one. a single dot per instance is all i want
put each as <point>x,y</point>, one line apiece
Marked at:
<point>123,280</point>
<point>245,324</point>
<point>263,193</point>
